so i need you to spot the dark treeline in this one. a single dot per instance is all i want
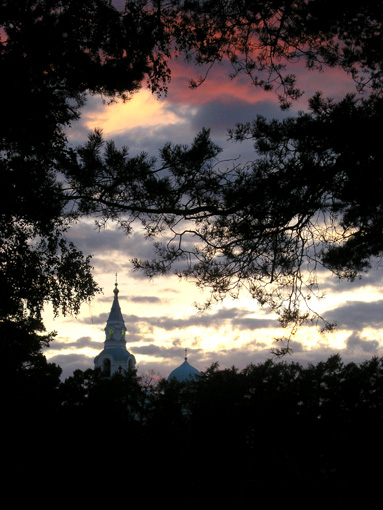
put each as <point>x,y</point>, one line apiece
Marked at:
<point>275,432</point>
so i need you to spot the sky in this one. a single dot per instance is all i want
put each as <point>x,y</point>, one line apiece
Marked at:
<point>160,314</point>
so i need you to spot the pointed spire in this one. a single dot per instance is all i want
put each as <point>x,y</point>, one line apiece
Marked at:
<point>115,327</point>
<point>115,356</point>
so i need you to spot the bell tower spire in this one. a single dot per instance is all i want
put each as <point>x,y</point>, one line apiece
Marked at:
<point>115,356</point>
<point>115,325</point>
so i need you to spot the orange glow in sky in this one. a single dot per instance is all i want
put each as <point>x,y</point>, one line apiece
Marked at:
<point>143,109</point>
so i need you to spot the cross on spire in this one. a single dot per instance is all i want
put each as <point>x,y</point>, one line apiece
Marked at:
<point>115,287</point>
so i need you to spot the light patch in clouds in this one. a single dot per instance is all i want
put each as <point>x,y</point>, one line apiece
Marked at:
<point>144,109</point>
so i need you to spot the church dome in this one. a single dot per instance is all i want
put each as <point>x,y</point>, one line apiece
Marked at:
<point>184,372</point>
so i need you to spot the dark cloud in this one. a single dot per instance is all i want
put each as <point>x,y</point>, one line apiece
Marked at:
<point>374,276</point>
<point>145,299</point>
<point>355,343</point>
<point>101,318</point>
<point>239,358</point>
<point>225,113</point>
<point>164,352</point>
<point>110,247</point>
<point>357,315</point>
<point>85,341</point>
<point>235,316</point>
<point>250,323</point>
<point>71,362</point>
<point>90,239</point>
<point>134,299</point>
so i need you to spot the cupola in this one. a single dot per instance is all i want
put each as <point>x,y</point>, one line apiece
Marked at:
<point>184,372</point>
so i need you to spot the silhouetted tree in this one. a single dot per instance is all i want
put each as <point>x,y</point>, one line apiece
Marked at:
<point>263,39</point>
<point>281,429</point>
<point>311,196</point>
<point>28,382</point>
<point>52,55</point>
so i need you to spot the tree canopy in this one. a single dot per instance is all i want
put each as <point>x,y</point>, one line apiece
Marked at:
<point>273,426</point>
<point>52,54</point>
<point>310,198</point>
<point>261,39</point>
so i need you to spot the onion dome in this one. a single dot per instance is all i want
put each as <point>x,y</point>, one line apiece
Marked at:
<point>184,372</point>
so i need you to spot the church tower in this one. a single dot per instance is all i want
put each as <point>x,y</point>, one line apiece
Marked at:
<point>115,356</point>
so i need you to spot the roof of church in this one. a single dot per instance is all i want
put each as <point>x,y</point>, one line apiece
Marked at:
<point>184,372</point>
<point>115,312</point>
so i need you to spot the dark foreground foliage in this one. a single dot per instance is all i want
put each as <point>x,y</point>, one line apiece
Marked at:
<point>275,432</point>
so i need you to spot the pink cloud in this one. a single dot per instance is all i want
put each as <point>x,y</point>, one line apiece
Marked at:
<point>219,86</point>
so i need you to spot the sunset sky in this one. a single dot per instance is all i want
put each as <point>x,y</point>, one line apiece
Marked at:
<point>160,315</point>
